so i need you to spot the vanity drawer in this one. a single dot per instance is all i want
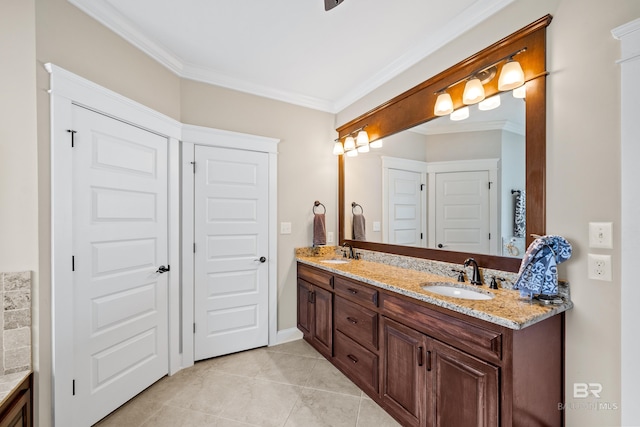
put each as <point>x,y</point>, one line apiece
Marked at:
<point>360,364</point>
<point>356,292</point>
<point>357,322</point>
<point>315,276</point>
<point>484,343</point>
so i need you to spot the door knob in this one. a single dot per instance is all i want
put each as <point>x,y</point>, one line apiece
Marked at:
<point>261,259</point>
<point>440,245</point>
<point>163,269</point>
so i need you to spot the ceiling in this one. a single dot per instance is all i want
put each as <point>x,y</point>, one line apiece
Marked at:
<point>291,50</point>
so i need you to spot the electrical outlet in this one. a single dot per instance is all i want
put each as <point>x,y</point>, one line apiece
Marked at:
<point>285,228</point>
<point>599,267</point>
<point>600,235</point>
<point>329,236</point>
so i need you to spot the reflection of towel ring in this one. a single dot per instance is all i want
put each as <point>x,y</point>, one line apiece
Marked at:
<point>316,204</point>
<point>354,205</point>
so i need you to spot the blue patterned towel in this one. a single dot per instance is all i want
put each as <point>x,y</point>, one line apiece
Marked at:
<point>538,272</point>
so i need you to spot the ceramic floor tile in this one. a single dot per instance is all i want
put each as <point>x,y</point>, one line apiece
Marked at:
<point>299,347</point>
<point>327,377</point>
<point>264,403</point>
<point>132,414</point>
<point>247,363</point>
<point>317,408</point>
<point>179,417</point>
<point>371,414</point>
<point>287,368</point>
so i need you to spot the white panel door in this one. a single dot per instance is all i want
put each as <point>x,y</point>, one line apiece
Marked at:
<point>119,241</point>
<point>231,236</point>
<point>405,208</point>
<point>462,211</point>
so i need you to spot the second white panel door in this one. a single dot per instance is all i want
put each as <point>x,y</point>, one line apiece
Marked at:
<point>231,236</point>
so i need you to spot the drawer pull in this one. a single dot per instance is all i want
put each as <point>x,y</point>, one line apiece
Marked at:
<point>352,320</point>
<point>428,360</point>
<point>353,291</point>
<point>352,358</point>
<point>420,361</point>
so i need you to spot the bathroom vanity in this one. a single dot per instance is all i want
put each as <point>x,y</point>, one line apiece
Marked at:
<point>16,405</point>
<point>433,360</point>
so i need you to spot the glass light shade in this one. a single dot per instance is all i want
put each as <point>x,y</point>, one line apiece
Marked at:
<point>473,92</point>
<point>349,143</point>
<point>490,103</point>
<point>511,76</point>
<point>444,105</point>
<point>338,149</point>
<point>460,114</point>
<point>376,144</point>
<point>362,139</point>
<point>352,153</point>
<point>363,148</point>
<point>520,92</point>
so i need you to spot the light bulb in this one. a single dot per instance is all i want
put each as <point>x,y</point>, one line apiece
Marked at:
<point>338,149</point>
<point>362,139</point>
<point>460,114</point>
<point>473,92</point>
<point>363,148</point>
<point>352,153</point>
<point>349,143</point>
<point>444,105</point>
<point>511,76</point>
<point>520,92</point>
<point>376,144</point>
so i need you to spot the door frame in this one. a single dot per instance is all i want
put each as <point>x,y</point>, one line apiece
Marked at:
<point>197,135</point>
<point>67,90</point>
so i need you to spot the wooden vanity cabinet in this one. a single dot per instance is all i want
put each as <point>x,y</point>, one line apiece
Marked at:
<point>429,366</point>
<point>315,308</point>
<point>17,409</point>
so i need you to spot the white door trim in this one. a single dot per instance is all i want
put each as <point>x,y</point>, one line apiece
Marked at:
<point>67,89</point>
<point>197,135</point>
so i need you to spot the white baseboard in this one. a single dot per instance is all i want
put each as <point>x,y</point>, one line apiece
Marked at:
<point>288,335</point>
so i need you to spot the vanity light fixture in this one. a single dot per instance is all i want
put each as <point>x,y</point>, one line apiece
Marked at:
<point>490,103</point>
<point>338,149</point>
<point>460,114</point>
<point>511,77</point>
<point>352,145</point>
<point>376,144</point>
<point>362,139</point>
<point>473,91</point>
<point>349,144</point>
<point>352,153</point>
<point>444,105</point>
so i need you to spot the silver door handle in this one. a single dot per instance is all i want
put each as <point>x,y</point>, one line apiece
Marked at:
<point>261,259</point>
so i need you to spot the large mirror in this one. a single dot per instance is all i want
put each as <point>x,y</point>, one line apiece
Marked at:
<point>504,148</point>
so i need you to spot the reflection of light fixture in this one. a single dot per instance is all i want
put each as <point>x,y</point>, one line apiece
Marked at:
<point>338,149</point>
<point>444,105</point>
<point>520,92</point>
<point>376,144</point>
<point>460,114</point>
<point>363,148</point>
<point>473,92</point>
<point>490,103</point>
<point>352,153</point>
<point>511,75</point>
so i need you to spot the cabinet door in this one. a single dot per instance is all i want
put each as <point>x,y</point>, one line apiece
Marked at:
<point>463,390</point>
<point>322,324</point>
<point>404,372</point>
<point>304,308</point>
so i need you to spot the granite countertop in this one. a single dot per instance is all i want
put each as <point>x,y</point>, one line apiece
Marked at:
<point>9,382</point>
<point>507,308</point>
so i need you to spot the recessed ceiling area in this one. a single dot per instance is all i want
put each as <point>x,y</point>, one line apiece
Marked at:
<point>291,50</point>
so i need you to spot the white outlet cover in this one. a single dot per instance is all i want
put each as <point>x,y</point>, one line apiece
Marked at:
<point>285,228</point>
<point>599,267</point>
<point>601,235</point>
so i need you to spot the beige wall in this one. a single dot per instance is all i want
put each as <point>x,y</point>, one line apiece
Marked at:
<point>583,166</point>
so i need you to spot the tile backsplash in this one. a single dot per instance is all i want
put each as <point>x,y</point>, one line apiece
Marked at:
<point>15,322</point>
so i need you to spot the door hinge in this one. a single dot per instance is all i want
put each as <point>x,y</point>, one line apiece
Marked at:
<point>73,263</point>
<point>194,166</point>
<point>73,387</point>
<point>73,134</point>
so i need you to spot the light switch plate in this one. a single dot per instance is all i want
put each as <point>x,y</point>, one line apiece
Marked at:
<point>376,225</point>
<point>601,235</point>
<point>285,228</point>
<point>329,236</point>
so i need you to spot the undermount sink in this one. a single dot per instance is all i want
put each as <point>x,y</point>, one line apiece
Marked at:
<point>451,290</point>
<point>335,261</point>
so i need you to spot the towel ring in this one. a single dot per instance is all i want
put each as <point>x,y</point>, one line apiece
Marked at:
<point>516,191</point>
<point>316,204</point>
<point>354,205</point>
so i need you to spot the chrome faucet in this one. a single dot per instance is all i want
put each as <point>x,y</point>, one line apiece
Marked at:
<point>475,278</point>
<point>344,254</point>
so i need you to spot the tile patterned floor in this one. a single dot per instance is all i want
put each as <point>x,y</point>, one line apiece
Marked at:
<point>288,385</point>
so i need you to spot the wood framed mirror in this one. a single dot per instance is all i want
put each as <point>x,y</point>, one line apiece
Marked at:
<point>416,106</point>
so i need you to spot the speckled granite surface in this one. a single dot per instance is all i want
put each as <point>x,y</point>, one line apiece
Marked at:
<point>406,275</point>
<point>9,382</point>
